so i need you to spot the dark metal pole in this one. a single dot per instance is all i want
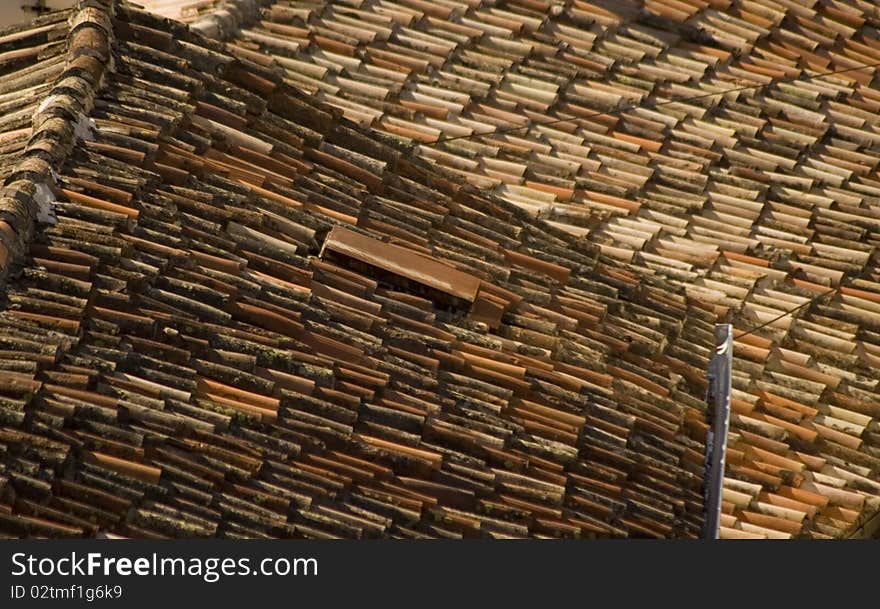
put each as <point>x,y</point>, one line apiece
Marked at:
<point>716,439</point>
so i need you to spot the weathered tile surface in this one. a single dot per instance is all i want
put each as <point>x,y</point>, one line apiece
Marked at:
<point>272,305</point>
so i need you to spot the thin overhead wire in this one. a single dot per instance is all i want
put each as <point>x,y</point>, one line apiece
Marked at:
<point>648,104</point>
<point>786,314</point>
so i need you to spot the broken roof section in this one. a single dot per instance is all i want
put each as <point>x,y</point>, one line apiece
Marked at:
<point>401,262</point>
<point>180,360</point>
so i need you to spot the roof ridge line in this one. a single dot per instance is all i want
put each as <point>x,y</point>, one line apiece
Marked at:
<point>55,127</point>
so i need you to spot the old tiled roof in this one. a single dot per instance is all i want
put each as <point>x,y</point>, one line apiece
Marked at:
<point>752,202</point>
<point>266,302</point>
